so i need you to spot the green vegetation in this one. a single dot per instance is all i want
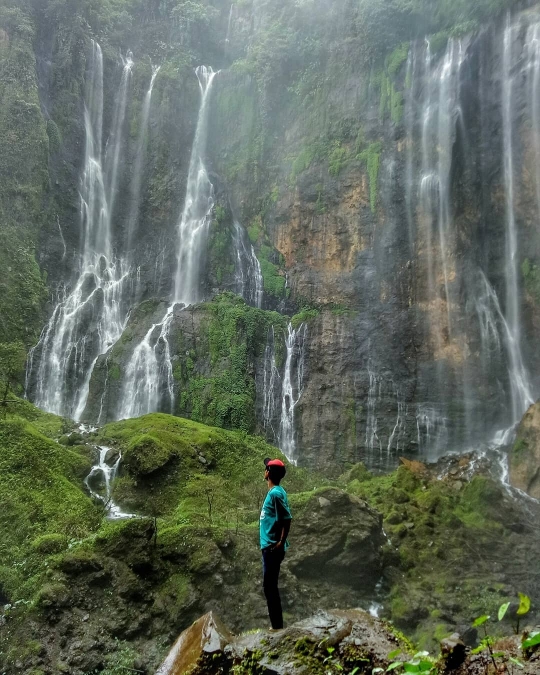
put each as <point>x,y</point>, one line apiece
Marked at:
<point>271,269</point>
<point>215,380</point>
<point>24,178</point>
<point>531,279</point>
<point>433,526</point>
<point>42,500</point>
<point>371,157</point>
<point>337,159</point>
<point>305,315</point>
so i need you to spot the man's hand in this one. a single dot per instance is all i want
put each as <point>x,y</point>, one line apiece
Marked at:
<point>277,546</point>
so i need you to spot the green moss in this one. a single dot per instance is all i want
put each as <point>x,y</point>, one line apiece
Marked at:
<point>273,277</point>
<point>531,279</point>
<point>24,178</point>
<point>305,315</point>
<point>371,157</point>
<point>146,453</point>
<point>47,544</point>
<point>114,372</point>
<point>255,230</point>
<point>40,491</point>
<point>302,162</point>
<point>55,138</point>
<point>216,383</point>
<point>337,159</point>
<point>396,59</point>
<point>520,447</point>
<point>396,105</point>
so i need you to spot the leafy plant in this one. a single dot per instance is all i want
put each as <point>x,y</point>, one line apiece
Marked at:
<point>487,642</point>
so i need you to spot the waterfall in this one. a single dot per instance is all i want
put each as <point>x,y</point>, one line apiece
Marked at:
<point>89,318</point>
<point>432,431</point>
<point>440,112</point>
<point>521,395</point>
<point>271,385</point>
<point>149,367</point>
<point>149,383</point>
<point>293,385</point>
<point>99,483</point>
<point>489,313</point>
<point>229,24</point>
<point>248,276</point>
<point>136,181</point>
<point>374,394</point>
<point>410,80</point>
<point>198,205</point>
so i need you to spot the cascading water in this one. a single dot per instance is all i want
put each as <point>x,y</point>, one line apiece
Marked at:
<point>271,386</point>
<point>198,205</point>
<point>374,393</point>
<point>89,318</point>
<point>136,181</point>
<point>439,116</point>
<point>292,388</point>
<point>521,395</point>
<point>149,374</point>
<point>249,282</point>
<point>99,483</point>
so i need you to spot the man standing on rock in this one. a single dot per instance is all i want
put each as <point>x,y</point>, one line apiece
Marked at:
<point>275,523</point>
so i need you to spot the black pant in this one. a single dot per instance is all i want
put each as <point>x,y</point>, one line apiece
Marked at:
<point>272,560</point>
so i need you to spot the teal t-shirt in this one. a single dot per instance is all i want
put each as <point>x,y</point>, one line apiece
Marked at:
<point>275,510</point>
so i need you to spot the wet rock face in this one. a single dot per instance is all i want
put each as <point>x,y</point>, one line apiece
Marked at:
<point>412,355</point>
<point>525,454</point>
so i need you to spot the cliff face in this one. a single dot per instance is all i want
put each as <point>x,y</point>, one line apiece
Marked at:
<point>404,204</point>
<point>387,197</point>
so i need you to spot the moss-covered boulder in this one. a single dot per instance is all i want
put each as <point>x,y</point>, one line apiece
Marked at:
<point>525,454</point>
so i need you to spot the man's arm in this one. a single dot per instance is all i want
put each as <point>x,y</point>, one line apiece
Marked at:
<point>284,532</point>
<point>284,520</point>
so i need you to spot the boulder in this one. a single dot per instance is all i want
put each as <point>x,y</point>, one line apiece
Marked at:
<point>323,640</point>
<point>207,636</point>
<point>525,454</point>
<point>337,538</point>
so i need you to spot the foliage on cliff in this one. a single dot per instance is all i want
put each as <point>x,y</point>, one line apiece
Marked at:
<point>23,178</point>
<point>215,377</point>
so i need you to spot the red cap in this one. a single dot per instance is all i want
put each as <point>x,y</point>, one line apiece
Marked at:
<point>273,462</point>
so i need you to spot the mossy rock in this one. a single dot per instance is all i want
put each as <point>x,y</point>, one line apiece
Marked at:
<point>47,544</point>
<point>146,454</point>
<point>51,595</point>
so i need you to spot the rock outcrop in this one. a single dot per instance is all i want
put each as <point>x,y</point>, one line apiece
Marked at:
<point>331,637</point>
<point>338,539</point>
<point>348,641</point>
<point>525,454</point>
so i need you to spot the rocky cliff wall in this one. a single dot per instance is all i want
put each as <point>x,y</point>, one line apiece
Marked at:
<point>374,186</point>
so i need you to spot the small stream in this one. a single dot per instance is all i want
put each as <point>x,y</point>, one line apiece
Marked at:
<point>99,483</point>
